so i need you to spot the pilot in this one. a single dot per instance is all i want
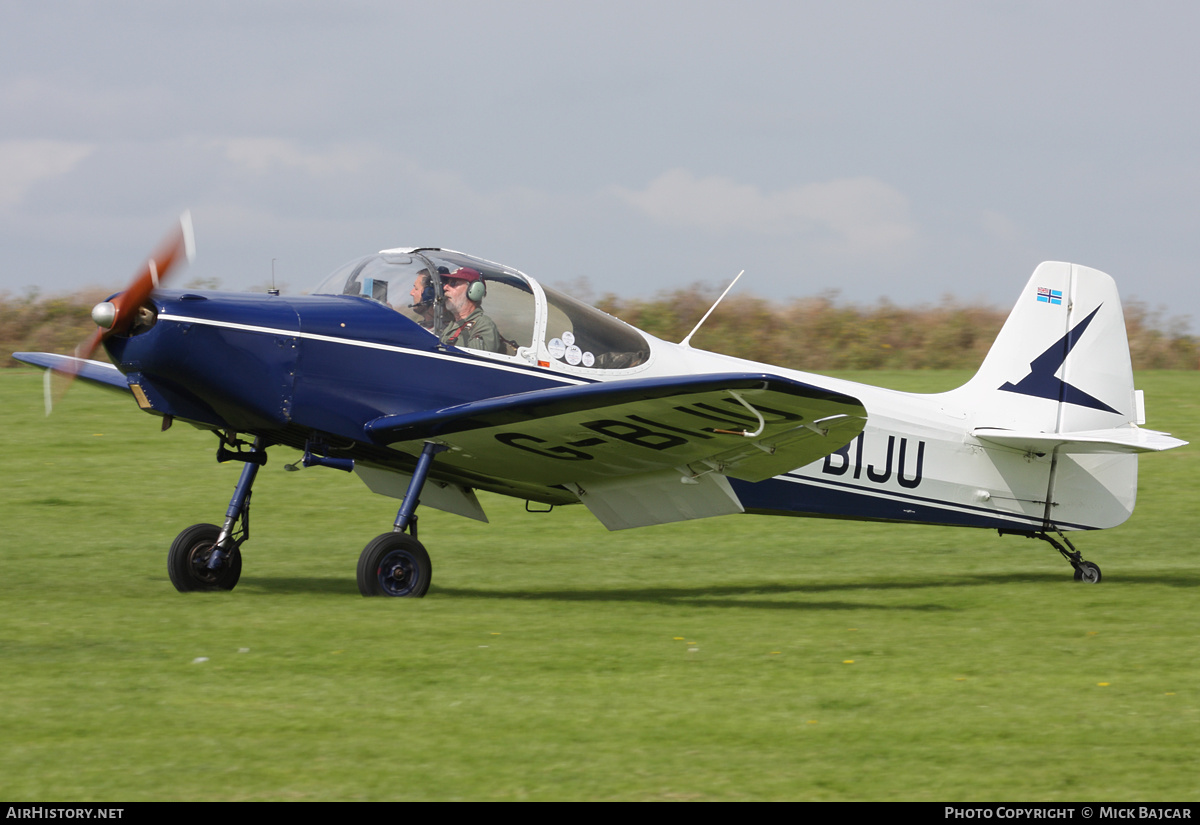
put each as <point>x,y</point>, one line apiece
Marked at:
<point>422,299</point>
<point>471,328</point>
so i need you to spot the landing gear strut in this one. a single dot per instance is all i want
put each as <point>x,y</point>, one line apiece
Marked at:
<point>1085,571</point>
<point>396,564</point>
<point>207,557</point>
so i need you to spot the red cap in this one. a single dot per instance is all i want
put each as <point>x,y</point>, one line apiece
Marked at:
<point>464,273</point>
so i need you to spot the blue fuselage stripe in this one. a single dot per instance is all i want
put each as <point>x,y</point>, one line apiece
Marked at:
<point>837,498</point>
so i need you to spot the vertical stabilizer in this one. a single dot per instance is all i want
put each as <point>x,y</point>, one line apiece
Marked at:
<point>1061,362</point>
<point>1061,365</point>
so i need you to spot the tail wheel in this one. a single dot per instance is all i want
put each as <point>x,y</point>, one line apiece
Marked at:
<point>189,557</point>
<point>394,564</point>
<point>1087,572</point>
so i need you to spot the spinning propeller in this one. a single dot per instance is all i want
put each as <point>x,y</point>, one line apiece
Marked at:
<point>116,315</point>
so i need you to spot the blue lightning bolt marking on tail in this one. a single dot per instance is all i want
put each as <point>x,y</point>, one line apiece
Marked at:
<point>1041,381</point>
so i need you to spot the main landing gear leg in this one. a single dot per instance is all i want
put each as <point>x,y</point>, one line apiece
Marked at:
<point>1085,571</point>
<point>396,564</point>
<point>207,557</point>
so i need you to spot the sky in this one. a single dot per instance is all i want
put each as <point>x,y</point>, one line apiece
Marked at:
<point>899,151</point>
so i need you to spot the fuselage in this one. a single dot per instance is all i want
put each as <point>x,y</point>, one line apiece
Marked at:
<point>317,369</point>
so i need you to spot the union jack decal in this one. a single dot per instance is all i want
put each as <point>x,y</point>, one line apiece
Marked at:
<point>1046,295</point>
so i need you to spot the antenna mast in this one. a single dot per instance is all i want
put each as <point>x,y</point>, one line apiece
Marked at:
<point>686,342</point>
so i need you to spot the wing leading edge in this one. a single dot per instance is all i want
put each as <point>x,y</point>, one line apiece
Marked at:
<point>100,373</point>
<point>643,451</point>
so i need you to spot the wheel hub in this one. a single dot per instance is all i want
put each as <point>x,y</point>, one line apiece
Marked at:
<point>201,556</point>
<point>396,574</point>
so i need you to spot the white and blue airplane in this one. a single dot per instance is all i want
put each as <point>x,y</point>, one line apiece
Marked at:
<point>569,405</point>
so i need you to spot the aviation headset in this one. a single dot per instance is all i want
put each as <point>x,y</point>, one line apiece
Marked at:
<point>477,290</point>
<point>427,294</point>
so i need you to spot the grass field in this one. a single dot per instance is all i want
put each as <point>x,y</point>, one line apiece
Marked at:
<point>734,658</point>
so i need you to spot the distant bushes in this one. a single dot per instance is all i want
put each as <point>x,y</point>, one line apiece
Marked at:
<point>818,334</point>
<point>1158,343</point>
<point>55,323</point>
<point>805,333</point>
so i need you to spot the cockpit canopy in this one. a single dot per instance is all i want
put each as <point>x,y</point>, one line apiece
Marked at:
<point>536,324</point>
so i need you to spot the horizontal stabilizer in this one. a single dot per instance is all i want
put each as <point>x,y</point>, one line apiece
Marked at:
<point>1117,440</point>
<point>99,373</point>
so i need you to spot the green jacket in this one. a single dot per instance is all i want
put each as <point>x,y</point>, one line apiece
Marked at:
<point>476,331</point>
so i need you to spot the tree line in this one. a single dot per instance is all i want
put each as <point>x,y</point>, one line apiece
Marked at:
<point>812,334</point>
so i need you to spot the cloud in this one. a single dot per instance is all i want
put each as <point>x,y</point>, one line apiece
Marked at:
<point>23,163</point>
<point>263,155</point>
<point>862,213</point>
<point>1001,227</point>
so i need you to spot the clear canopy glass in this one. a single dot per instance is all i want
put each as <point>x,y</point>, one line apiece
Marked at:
<point>534,322</point>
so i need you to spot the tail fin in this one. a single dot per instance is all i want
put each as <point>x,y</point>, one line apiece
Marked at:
<point>1061,362</point>
<point>1057,386</point>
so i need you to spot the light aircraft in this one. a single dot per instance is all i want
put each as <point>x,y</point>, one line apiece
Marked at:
<point>570,405</point>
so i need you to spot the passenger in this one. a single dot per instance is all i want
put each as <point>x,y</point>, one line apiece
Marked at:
<point>422,299</point>
<point>471,328</point>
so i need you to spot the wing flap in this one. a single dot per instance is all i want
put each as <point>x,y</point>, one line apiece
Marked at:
<point>658,498</point>
<point>449,498</point>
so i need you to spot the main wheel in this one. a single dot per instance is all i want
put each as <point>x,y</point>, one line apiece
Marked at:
<point>1087,572</point>
<point>395,564</point>
<point>187,561</point>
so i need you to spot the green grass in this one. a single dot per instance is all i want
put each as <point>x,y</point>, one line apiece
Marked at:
<point>735,658</point>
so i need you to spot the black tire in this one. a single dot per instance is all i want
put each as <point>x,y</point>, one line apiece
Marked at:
<point>1087,572</point>
<point>394,564</point>
<point>187,561</point>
